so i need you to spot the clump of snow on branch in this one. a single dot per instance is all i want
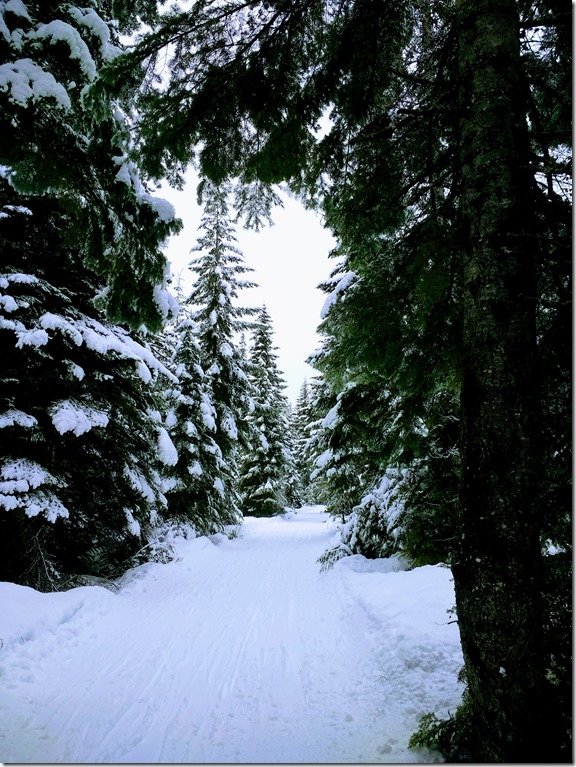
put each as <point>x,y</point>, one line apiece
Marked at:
<point>139,483</point>
<point>88,18</point>
<point>22,486</point>
<point>343,283</point>
<point>133,524</point>
<point>78,419</point>
<point>166,449</point>
<point>17,418</point>
<point>25,81</point>
<point>59,31</point>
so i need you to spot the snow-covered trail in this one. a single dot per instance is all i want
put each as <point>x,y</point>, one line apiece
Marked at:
<point>240,651</point>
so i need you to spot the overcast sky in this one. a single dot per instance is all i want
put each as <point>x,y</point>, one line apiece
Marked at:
<point>290,259</point>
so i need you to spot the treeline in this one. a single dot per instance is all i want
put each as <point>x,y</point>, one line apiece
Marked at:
<point>115,439</point>
<point>435,139</point>
<point>124,413</point>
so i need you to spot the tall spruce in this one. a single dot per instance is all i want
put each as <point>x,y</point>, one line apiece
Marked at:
<point>443,174</point>
<point>266,464</point>
<point>301,429</point>
<point>63,135</point>
<point>220,322</point>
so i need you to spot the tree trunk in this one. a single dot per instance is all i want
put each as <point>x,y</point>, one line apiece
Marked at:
<point>497,574</point>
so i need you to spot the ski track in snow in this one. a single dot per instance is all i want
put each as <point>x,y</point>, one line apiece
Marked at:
<point>239,651</point>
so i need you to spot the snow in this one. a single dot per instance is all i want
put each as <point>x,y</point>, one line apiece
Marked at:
<point>18,278</point>
<point>238,651</point>
<point>35,337</point>
<point>165,301</point>
<point>332,417</point>
<point>25,81</point>
<point>15,417</point>
<point>60,31</point>
<point>164,210</point>
<point>139,483</point>
<point>226,350</point>
<point>229,426</point>
<point>133,524</point>
<point>207,413</point>
<point>343,283</point>
<point>88,18</point>
<point>166,450</point>
<point>70,416</point>
<point>19,483</point>
<point>14,209</point>
<point>17,7</point>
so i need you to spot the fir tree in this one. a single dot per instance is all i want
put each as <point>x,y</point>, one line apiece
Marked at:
<point>301,429</point>
<point>220,322</point>
<point>266,465</point>
<point>79,473</point>
<point>81,443</point>
<point>192,489</point>
<point>63,135</point>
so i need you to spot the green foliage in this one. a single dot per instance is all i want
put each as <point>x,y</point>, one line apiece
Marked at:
<point>301,423</point>
<point>67,139</point>
<point>332,555</point>
<point>212,305</point>
<point>191,422</point>
<point>401,174</point>
<point>451,737</point>
<point>267,463</point>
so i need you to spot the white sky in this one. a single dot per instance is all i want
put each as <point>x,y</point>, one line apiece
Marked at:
<point>290,259</point>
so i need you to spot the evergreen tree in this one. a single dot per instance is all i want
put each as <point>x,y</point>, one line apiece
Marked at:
<point>294,484</point>
<point>81,442</point>
<point>219,274</point>
<point>193,492</point>
<point>63,135</point>
<point>301,429</point>
<point>442,174</point>
<point>265,466</point>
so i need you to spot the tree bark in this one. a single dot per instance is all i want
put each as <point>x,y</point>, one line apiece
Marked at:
<point>497,574</point>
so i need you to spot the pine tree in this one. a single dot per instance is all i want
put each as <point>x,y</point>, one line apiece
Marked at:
<point>265,466</point>
<point>301,429</point>
<point>293,481</point>
<point>80,482</point>
<point>80,461</point>
<point>220,322</point>
<point>62,135</point>
<point>192,489</point>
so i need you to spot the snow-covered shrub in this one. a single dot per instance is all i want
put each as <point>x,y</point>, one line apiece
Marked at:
<point>371,529</point>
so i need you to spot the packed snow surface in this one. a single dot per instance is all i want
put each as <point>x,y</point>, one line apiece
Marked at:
<point>237,651</point>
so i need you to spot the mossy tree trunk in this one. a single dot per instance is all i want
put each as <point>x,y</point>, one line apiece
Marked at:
<point>498,573</point>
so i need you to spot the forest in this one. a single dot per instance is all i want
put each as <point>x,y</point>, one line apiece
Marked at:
<point>434,138</point>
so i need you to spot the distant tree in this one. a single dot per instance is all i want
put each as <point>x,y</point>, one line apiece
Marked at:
<point>266,463</point>
<point>220,323</point>
<point>294,484</point>
<point>192,490</point>
<point>301,429</point>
